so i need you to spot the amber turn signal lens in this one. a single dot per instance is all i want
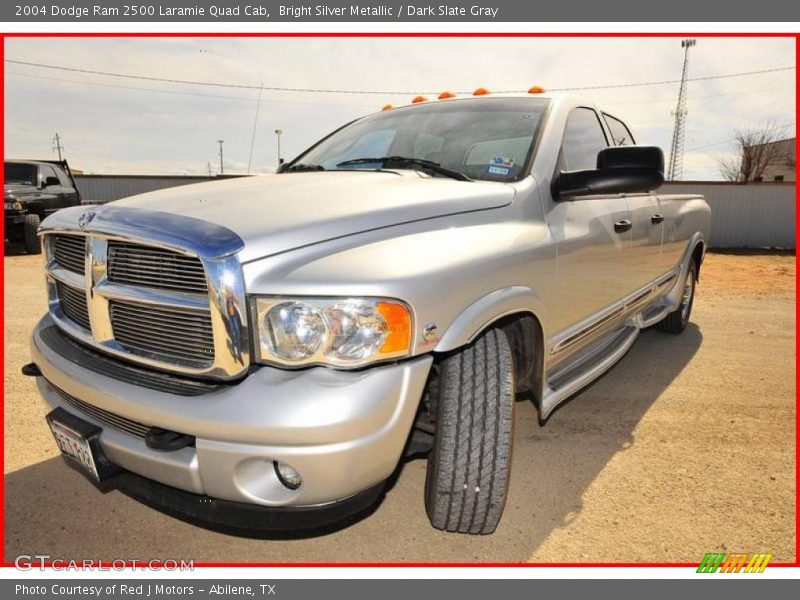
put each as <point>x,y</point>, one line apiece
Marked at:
<point>398,320</point>
<point>536,90</point>
<point>481,92</point>
<point>419,99</point>
<point>388,107</point>
<point>446,95</point>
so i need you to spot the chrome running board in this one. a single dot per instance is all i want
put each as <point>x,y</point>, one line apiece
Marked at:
<point>570,379</point>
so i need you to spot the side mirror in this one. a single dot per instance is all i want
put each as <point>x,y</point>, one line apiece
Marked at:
<point>620,170</point>
<point>48,181</point>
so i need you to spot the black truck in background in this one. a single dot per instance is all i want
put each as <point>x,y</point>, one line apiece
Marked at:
<point>32,190</point>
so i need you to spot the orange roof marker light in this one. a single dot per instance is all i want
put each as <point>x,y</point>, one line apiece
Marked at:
<point>388,107</point>
<point>446,95</point>
<point>481,92</point>
<point>536,90</point>
<point>419,99</point>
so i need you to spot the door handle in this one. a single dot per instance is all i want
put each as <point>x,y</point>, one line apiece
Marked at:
<point>656,219</point>
<point>622,226</point>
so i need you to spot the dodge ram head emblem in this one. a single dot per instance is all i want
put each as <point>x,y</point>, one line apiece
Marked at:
<point>86,218</point>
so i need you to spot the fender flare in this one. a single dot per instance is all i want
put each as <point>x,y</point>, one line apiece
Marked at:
<point>673,297</point>
<point>36,207</point>
<point>488,309</point>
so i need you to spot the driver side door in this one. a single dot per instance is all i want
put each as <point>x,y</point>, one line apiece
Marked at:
<point>593,238</point>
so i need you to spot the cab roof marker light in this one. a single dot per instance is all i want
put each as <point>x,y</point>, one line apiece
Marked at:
<point>481,91</point>
<point>536,90</point>
<point>387,107</point>
<point>419,99</point>
<point>446,95</point>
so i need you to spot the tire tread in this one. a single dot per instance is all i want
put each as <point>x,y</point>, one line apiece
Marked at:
<point>468,468</point>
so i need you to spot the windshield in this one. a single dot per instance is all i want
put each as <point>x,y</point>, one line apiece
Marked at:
<point>482,138</point>
<point>20,174</point>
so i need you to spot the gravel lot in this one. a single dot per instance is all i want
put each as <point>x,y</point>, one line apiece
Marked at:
<point>686,447</point>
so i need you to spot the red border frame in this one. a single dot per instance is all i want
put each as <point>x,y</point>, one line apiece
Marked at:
<point>796,563</point>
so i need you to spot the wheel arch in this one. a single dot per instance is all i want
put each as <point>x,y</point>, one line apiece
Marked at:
<point>519,312</point>
<point>36,208</point>
<point>698,254</point>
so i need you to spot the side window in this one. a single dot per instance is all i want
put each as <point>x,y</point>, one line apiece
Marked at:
<point>583,139</point>
<point>619,131</point>
<point>62,177</point>
<point>47,171</point>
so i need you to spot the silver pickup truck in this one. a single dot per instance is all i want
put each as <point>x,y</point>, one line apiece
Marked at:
<point>258,355</point>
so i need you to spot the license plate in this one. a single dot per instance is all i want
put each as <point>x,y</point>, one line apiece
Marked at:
<point>79,442</point>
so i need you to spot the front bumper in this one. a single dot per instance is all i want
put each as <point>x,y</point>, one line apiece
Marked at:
<point>13,218</point>
<point>343,431</point>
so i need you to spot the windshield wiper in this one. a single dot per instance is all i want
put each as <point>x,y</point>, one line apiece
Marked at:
<point>425,165</point>
<point>299,167</point>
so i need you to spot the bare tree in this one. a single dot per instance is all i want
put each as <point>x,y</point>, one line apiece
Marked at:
<point>754,151</point>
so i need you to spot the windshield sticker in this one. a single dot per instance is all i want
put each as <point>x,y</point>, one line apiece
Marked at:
<point>500,165</point>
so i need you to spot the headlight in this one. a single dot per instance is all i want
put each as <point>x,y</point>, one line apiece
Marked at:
<point>12,206</point>
<point>293,330</point>
<point>344,332</point>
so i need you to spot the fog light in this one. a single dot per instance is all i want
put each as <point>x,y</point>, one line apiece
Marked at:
<point>287,475</point>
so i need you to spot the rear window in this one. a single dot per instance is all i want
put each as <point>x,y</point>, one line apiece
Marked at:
<point>619,131</point>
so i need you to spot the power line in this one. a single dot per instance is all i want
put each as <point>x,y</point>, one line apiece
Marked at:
<point>670,81</point>
<point>182,93</point>
<point>729,140</point>
<point>371,92</point>
<point>349,104</point>
<point>694,99</point>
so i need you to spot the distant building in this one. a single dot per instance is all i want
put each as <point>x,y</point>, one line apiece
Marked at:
<point>781,166</point>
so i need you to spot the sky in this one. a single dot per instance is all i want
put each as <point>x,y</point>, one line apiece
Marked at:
<point>127,126</point>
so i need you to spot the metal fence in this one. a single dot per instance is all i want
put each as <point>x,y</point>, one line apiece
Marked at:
<point>99,189</point>
<point>757,215</point>
<point>753,215</point>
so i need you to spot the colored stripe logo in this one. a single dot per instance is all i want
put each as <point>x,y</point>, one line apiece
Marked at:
<point>734,563</point>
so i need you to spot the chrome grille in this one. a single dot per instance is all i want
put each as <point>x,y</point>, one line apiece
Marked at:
<point>102,415</point>
<point>69,252</point>
<point>73,304</point>
<point>134,264</point>
<point>179,335</point>
<point>174,301</point>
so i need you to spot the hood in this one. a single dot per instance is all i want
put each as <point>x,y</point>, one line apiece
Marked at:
<point>19,190</point>
<point>277,213</point>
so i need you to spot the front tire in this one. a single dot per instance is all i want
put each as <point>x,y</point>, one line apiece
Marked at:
<point>468,469</point>
<point>676,321</point>
<point>33,245</point>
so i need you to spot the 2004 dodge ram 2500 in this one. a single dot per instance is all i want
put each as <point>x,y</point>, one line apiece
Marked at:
<point>257,355</point>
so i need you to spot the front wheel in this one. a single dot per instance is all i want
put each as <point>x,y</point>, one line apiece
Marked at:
<point>468,469</point>
<point>676,321</point>
<point>33,245</point>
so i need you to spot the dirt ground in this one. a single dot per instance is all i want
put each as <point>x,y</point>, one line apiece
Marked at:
<point>687,446</point>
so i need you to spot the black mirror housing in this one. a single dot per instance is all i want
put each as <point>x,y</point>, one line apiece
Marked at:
<point>620,170</point>
<point>48,181</point>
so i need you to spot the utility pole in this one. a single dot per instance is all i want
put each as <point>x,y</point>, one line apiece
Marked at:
<point>208,168</point>
<point>221,164</point>
<point>278,133</point>
<point>675,171</point>
<point>57,147</point>
<point>255,125</point>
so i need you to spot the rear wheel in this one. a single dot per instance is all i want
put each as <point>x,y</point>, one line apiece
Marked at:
<point>468,469</point>
<point>33,245</point>
<point>676,321</point>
